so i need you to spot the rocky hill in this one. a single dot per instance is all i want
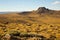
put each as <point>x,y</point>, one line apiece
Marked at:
<point>43,22</point>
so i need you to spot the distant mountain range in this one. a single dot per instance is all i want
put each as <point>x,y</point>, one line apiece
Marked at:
<point>2,12</point>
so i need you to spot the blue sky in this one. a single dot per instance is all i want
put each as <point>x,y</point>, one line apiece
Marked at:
<point>28,5</point>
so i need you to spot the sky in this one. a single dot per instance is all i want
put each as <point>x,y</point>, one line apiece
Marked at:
<point>28,5</point>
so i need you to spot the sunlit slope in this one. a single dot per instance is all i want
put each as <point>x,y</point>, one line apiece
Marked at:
<point>33,16</point>
<point>43,21</point>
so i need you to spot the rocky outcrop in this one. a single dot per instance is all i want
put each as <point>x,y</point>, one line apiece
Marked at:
<point>43,10</point>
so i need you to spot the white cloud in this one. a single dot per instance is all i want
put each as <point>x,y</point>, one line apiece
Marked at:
<point>56,2</point>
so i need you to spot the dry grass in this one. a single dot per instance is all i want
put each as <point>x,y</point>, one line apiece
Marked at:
<point>46,24</point>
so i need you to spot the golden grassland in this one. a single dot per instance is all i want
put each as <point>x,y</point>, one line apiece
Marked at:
<point>46,25</point>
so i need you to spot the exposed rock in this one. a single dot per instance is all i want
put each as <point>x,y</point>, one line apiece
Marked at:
<point>6,37</point>
<point>42,10</point>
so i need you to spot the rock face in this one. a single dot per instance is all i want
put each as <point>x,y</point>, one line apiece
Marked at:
<point>6,37</point>
<point>42,10</point>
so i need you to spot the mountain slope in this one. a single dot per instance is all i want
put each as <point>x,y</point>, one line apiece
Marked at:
<point>43,21</point>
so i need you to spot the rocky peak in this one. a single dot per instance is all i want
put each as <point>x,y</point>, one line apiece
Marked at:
<point>42,10</point>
